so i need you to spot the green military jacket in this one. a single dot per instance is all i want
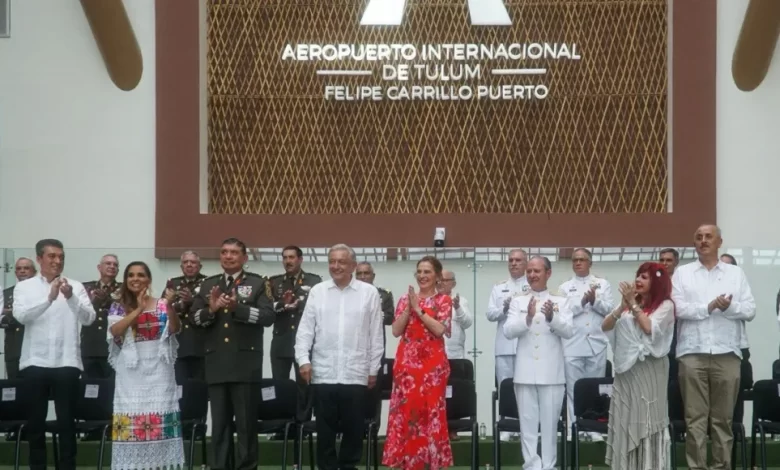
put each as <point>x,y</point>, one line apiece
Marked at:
<point>93,337</point>
<point>286,321</point>
<point>233,338</point>
<point>14,331</point>
<point>190,338</point>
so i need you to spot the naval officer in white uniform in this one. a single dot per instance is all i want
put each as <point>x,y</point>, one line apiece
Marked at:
<point>498,306</point>
<point>590,299</point>
<point>540,321</point>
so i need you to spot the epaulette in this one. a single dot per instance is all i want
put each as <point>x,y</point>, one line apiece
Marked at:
<point>213,276</point>
<point>89,283</point>
<point>500,282</point>
<point>559,293</point>
<point>177,278</point>
<point>248,274</point>
<point>311,274</point>
<point>276,276</point>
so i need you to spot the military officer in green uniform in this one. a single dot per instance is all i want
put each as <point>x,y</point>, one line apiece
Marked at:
<point>365,272</point>
<point>290,291</point>
<point>233,307</point>
<point>103,292</point>
<point>14,331</point>
<point>189,360</point>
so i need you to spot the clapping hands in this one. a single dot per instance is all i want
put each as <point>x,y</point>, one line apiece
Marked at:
<point>628,292</point>
<point>60,285</point>
<point>219,300</point>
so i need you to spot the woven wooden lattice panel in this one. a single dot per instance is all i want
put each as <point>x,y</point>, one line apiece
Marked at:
<point>597,143</point>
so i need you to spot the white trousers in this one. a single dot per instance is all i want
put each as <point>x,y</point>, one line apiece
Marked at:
<point>505,368</point>
<point>583,368</point>
<point>540,409</point>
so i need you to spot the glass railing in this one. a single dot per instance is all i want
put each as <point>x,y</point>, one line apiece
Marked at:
<point>476,270</point>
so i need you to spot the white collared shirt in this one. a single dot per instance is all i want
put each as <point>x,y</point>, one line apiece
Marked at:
<point>52,334</point>
<point>495,313</point>
<point>588,340</point>
<point>721,332</point>
<point>343,330</point>
<point>462,319</point>
<point>630,344</point>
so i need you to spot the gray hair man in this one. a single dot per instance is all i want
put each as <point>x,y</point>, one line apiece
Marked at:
<point>498,306</point>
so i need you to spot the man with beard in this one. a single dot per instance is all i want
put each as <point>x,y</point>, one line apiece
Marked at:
<point>540,322</point>
<point>94,348</point>
<point>14,331</point>
<point>234,307</point>
<point>713,300</point>
<point>290,291</point>
<point>189,360</point>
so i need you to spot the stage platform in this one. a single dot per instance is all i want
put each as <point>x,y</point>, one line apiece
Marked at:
<point>591,453</point>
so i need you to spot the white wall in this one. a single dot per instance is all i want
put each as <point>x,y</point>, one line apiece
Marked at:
<point>78,154</point>
<point>75,151</point>
<point>748,160</point>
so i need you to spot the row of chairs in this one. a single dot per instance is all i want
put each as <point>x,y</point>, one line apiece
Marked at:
<point>277,413</point>
<point>591,414</point>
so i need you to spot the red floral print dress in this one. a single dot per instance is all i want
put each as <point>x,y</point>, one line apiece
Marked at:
<point>417,423</point>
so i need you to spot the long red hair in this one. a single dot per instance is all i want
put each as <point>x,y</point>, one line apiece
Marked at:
<point>660,285</point>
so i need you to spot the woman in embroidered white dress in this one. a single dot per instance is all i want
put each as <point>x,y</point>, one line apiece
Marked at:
<point>142,349</point>
<point>641,331</point>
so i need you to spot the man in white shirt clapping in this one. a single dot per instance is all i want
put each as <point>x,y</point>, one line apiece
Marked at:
<point>713,300</point>
<point>342,329</point>
<point>53,309</point>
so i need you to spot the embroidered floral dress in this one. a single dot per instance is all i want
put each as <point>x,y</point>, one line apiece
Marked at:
<point>146,431</point>
<point>417,423</point>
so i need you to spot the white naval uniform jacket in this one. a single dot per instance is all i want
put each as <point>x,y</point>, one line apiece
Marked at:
<point>495,312</point>
<point>588,339</point>
<point>539,359</point>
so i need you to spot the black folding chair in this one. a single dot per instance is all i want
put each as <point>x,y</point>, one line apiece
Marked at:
<point>371,431</point>
<point>677,424</point>
<point>193,409</point>
<point>94,413</point>
<point>591,410</point>
<point>766,415</point>
<point>462,369</point>
<point>462,413</point>
<point>13,411</point>
<point>510,421</point>
<point>386,378</point>
<point>277,411</point>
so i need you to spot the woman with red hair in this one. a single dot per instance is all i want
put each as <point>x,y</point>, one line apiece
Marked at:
<point>641,331</point>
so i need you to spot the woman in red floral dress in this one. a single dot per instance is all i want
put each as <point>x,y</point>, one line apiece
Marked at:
<point>417,424</point>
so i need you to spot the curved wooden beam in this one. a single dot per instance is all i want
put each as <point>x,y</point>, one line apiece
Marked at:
<point>756,44</point>
<point>116,40</point>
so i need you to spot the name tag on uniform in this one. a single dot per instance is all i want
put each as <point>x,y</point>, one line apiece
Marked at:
<point>9,394</point>
<point>91,391</point>
<point>269,393</point>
